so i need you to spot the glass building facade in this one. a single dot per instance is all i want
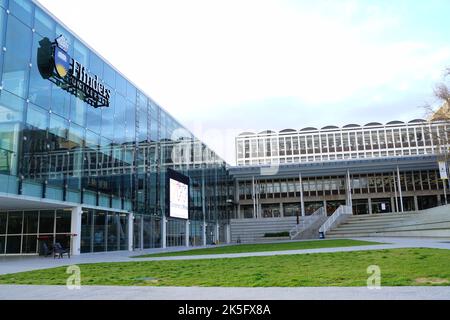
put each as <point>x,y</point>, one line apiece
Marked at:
<point>111,161</point>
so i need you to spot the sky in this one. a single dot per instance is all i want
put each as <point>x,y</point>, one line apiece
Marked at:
<point>225,67</point>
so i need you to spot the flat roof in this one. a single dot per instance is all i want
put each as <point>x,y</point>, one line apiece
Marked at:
<point>335,168</point>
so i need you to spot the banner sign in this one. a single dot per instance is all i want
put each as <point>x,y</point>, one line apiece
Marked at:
<point>56,65</point>
<point>443,170</point>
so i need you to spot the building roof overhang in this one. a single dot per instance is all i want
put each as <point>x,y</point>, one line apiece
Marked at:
<point>336,168</point>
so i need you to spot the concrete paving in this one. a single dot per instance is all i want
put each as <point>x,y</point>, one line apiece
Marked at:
<point>29,263</point>
<point>212,293</point>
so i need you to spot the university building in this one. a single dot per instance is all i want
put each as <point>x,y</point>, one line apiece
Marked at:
<point>85,154</point>
<point>374,140</point>
<point>374,168</point>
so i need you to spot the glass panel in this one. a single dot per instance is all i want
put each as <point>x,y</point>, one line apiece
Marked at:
<point>99,231</point>
<point>22,9</point>
<point>123,232</point>
<point>94,119</point>
<point>60,101</point>
<point>2,244</point>
<point>109,75</point>
<point>86,231</point>
<point>81,53</point>
<point>108,119</point>
<point>121,85</point>
<point>96,66</point>
<point>76,135</point>
<point>32,189</point>
<point>3,20</point>
<point>13,244</point>
<point>40,88</point>
<point>130,130</point>
<point>63,221</point>
<point>78,111</point>
<point>15,220</point>
<point>17,58</point>
<point>113,240</point>
<point>37,117</point>
<point>3,218</point>
<point>30,222</point>
<point>131,92</point>
<point>43,24</point>
<point>46,222</point>
<point>59,128</point>
<point>11,108</point>
<point>29,244</point>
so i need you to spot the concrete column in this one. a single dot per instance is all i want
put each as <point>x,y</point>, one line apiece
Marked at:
<point>325,206</point>
<point>228,233</point>
<point>369,203</point>
<point>130,231</point>
<point>188,223</point>
<point>393,202</point>
<point>75,240</point>
<point>254,198</point>
<point>349,201</point>
<point>217,233</point>
<point>281,210</point>
<point>302,202</point>
<point>416,203</point>
<point>204,233</point>
<point>141,233</point>
<point>164,232</point>
<point>400,190</point>
<point>445,192</point>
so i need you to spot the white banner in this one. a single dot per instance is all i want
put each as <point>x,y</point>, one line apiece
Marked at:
<point>443,170</point>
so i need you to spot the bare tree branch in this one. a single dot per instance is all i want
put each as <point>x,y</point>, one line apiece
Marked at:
<point>442,92</point>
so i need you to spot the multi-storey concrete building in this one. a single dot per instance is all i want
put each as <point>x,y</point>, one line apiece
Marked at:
<point>374,168</point>
<point>373,140</point>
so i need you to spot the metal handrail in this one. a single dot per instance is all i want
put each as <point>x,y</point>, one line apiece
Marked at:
<point>342,210</point>
<point>306,222</point>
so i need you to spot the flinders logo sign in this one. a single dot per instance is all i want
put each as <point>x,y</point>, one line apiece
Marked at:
<point>56,65</point>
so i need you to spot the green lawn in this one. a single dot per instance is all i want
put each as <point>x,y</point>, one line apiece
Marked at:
<point>399,267</point>
<point>283,246</point>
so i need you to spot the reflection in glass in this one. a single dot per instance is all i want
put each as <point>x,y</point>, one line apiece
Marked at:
<point>46,222</point>
<point>17,57</point>
<point>15,221</point>
<point>13,244</point>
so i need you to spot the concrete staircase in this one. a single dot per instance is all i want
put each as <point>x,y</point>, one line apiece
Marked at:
<point>253,230</point>
<point>367,225</point>
<point>428,223</point>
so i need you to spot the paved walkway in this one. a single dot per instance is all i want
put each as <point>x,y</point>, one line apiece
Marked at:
<point>196,293</point>
<point>22,264</point>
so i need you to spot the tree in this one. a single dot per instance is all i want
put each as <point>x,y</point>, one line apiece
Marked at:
<point>442,94</point>
<point>442,113</point>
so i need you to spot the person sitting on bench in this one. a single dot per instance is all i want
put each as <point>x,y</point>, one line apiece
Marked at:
<point>59,251</point>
